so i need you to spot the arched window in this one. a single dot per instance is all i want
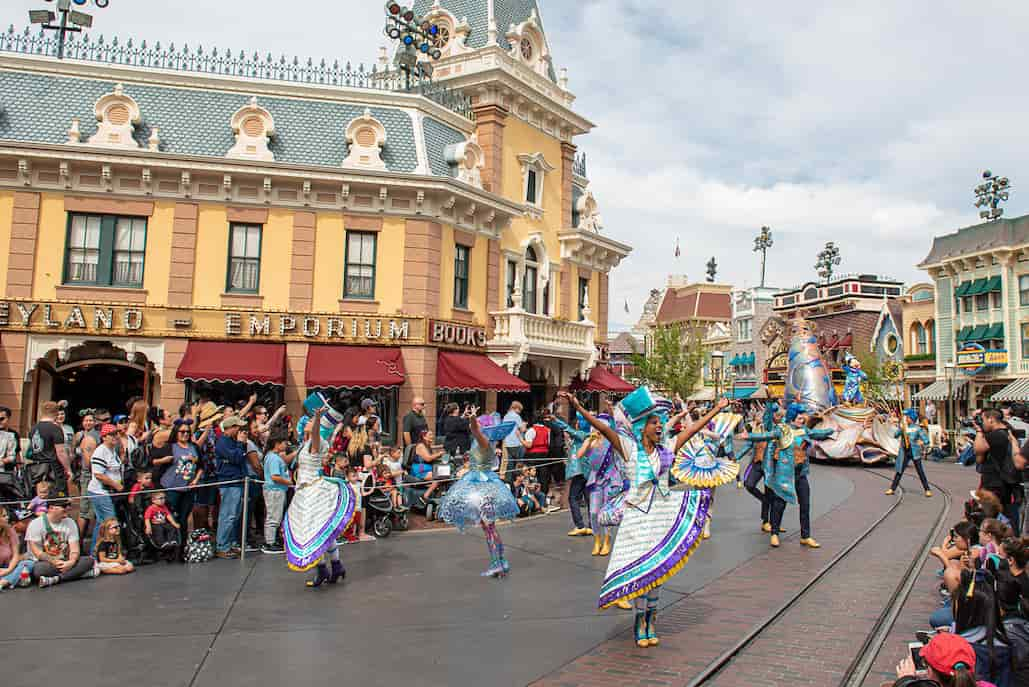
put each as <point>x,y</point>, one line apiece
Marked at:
<point>810,293</point>
<point>530,279</point>
<point>930,334</point>
<point>921,342</point>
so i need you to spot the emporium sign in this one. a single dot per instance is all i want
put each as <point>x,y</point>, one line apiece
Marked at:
<point>973,358</point>
<point>195,323</point>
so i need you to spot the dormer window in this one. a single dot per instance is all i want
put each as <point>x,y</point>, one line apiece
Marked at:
<point>117,117</point>
<point>253,126</point>
<point>365,138</point>
<point>527,49</point>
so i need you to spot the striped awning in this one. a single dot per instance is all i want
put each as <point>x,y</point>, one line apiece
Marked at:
<point>1017,390</point>
<point>937,391</point>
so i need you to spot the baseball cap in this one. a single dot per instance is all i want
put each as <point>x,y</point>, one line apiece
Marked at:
<point>367,403</point>
<point>232,422</point>
<point>106,429</point>
<point>119,418</point>
<point>947,651</point>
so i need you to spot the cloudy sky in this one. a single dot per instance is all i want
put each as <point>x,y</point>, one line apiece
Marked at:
<point>867,123</point>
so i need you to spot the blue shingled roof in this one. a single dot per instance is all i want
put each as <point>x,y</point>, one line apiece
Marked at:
<point>437,137</point>
<point>40,107</point>
<point>506,12</point>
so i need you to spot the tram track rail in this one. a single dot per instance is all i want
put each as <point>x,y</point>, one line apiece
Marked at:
<point>858,670</point>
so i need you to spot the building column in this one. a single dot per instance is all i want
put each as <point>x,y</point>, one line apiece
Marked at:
<point>296,384</point>
<point>493,277</point>
<point>301,280</point>
<point>420,381</point>
<point>564,308</point>
<point>12,377</point>
<point>567,163</point>
<point>422,250</point>
<point>21,265</point>
<point>183,257</point>
<point>602,307</point>
<point>173,392</point>
<point>489,130</point>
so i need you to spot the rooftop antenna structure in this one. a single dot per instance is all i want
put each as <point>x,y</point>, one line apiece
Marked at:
<point>72,20</point>
<point>416,37</point>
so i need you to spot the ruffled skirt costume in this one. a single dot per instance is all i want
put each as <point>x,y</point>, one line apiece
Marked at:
<point>321,509</point>
<point>660,529</point>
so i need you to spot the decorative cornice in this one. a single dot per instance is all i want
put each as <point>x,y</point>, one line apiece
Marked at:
<point>146,174</point>
<point>590,249</point>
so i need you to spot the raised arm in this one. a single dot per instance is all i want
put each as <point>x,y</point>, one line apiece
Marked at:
<point>599,425</point>
<point>316,431</point>
<point>480,438</point>
<point>687,434</point>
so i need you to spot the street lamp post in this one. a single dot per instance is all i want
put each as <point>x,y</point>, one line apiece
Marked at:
<point>77,20</point>
<point>717,358</point>
<point>948,368</point>
<point>990,194</point>
<point>762,242</point>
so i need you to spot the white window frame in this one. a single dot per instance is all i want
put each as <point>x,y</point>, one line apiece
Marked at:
<point>538,164</point>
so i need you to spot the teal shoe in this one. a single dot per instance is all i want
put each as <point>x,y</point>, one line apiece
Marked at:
<point>640,631</point>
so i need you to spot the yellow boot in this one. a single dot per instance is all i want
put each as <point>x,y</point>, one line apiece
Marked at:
<point>606,548</point>
<point>596,545</point>
<point>623,604</point>
<point>774,541</point>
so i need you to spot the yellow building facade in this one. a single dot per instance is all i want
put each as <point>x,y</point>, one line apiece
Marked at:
<point>183,234</point>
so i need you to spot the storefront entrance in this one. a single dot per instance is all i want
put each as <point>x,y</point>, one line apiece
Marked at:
<point>92,375</point>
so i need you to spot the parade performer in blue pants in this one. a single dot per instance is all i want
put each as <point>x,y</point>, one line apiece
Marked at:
<point>914,442</point>
<point>786,470</point>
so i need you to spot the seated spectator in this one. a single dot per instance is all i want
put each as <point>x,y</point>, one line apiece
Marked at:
<point>385,481</point>
<point>53,540</point>
<point>527,503</point>
<point>959,542</point>
<point>535,489</point>
<point>977,619</point>
<point>950,662</point>
<point>991,533</point>
<point>421,462</point>
<point>161,527</point>
<point>12,564</point>
<point>109,554</point>
<point>395,462</point>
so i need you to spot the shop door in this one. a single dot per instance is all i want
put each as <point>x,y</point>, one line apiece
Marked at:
<point>99,384</point>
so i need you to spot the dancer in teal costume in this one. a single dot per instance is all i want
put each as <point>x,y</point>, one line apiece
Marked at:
<point>914,442</point>
<point>786,470</point>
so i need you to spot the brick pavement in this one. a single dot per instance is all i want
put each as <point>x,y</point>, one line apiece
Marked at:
<point>699,628</point>
<point>923,599</point>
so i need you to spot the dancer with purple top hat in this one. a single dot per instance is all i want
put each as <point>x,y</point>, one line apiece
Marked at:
<point>661,525</point>
<point>480,496</point>
<point>322,507</point>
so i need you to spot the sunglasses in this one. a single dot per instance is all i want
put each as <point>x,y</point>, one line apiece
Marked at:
<point>183,431</point>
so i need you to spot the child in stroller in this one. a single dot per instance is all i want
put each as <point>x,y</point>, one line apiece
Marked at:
<point>161,528</point>
<point>384,508</point>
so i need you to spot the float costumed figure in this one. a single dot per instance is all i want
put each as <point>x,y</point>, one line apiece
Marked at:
<point>755,472</point>
<point>661,525</point>
<point>322,507</point>
<point>480,497</point>
<point>914,442</point>
<point>852,386</point>
<point>786,470</point>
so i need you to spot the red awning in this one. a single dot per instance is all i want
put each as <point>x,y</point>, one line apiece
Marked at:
<point>474,372</point>
<point>221,361</point>
<point>603,379</point>
<point>354,367</point>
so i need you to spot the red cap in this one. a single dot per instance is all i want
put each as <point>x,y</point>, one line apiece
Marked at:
<point>108,428</point>
<point>947,651</point>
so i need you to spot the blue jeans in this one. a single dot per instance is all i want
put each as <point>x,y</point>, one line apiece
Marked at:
<point>230,510</point>
<point>942,617</point>
<point>14,576</point>
<point>103,508</point>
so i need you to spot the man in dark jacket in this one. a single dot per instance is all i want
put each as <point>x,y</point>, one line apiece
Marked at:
<point>231,460</point>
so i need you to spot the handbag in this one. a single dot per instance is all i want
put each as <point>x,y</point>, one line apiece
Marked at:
<point>612,511</point>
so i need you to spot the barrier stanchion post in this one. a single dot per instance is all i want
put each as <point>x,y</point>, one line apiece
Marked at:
<point>243,523</point>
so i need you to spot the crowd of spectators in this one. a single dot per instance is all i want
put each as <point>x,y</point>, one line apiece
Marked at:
<point>979,634</point>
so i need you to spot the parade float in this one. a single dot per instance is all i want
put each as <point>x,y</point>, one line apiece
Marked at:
<point>859,432</point>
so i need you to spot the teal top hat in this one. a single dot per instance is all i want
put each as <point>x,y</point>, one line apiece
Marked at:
<point>495,431</point>
<point>640,405</point>
<point>331,417</point>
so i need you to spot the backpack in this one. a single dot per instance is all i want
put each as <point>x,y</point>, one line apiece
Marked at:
<point>540,441</point>
<point>557,446</point>
<point>199,547</point>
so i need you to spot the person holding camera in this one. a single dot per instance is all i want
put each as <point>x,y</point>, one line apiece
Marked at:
<point>995,447</point>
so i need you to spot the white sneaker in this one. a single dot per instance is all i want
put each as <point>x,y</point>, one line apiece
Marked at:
<point>4,584</point>
<point>48,581</point>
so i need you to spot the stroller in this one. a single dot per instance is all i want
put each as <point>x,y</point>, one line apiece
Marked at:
<point>383,517</point>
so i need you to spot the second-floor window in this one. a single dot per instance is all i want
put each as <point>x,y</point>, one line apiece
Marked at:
<point>1025,341</point>
<point>461,276</point>
<point>359,272</point>
<point>512,278</point>
<point>982,301</point>
<point>244,258</point>
<point>530,188</point>
<point>105,250</point>
<point>1023,290</point>
<point>743,333</point>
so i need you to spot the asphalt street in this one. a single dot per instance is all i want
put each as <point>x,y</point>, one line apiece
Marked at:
<point>413,610</point>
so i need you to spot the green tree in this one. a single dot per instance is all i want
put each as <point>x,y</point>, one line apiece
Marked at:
<point>675,360</point>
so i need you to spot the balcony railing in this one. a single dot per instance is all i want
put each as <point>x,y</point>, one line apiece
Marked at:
<point>517,327</point>
<point>228,63</point>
